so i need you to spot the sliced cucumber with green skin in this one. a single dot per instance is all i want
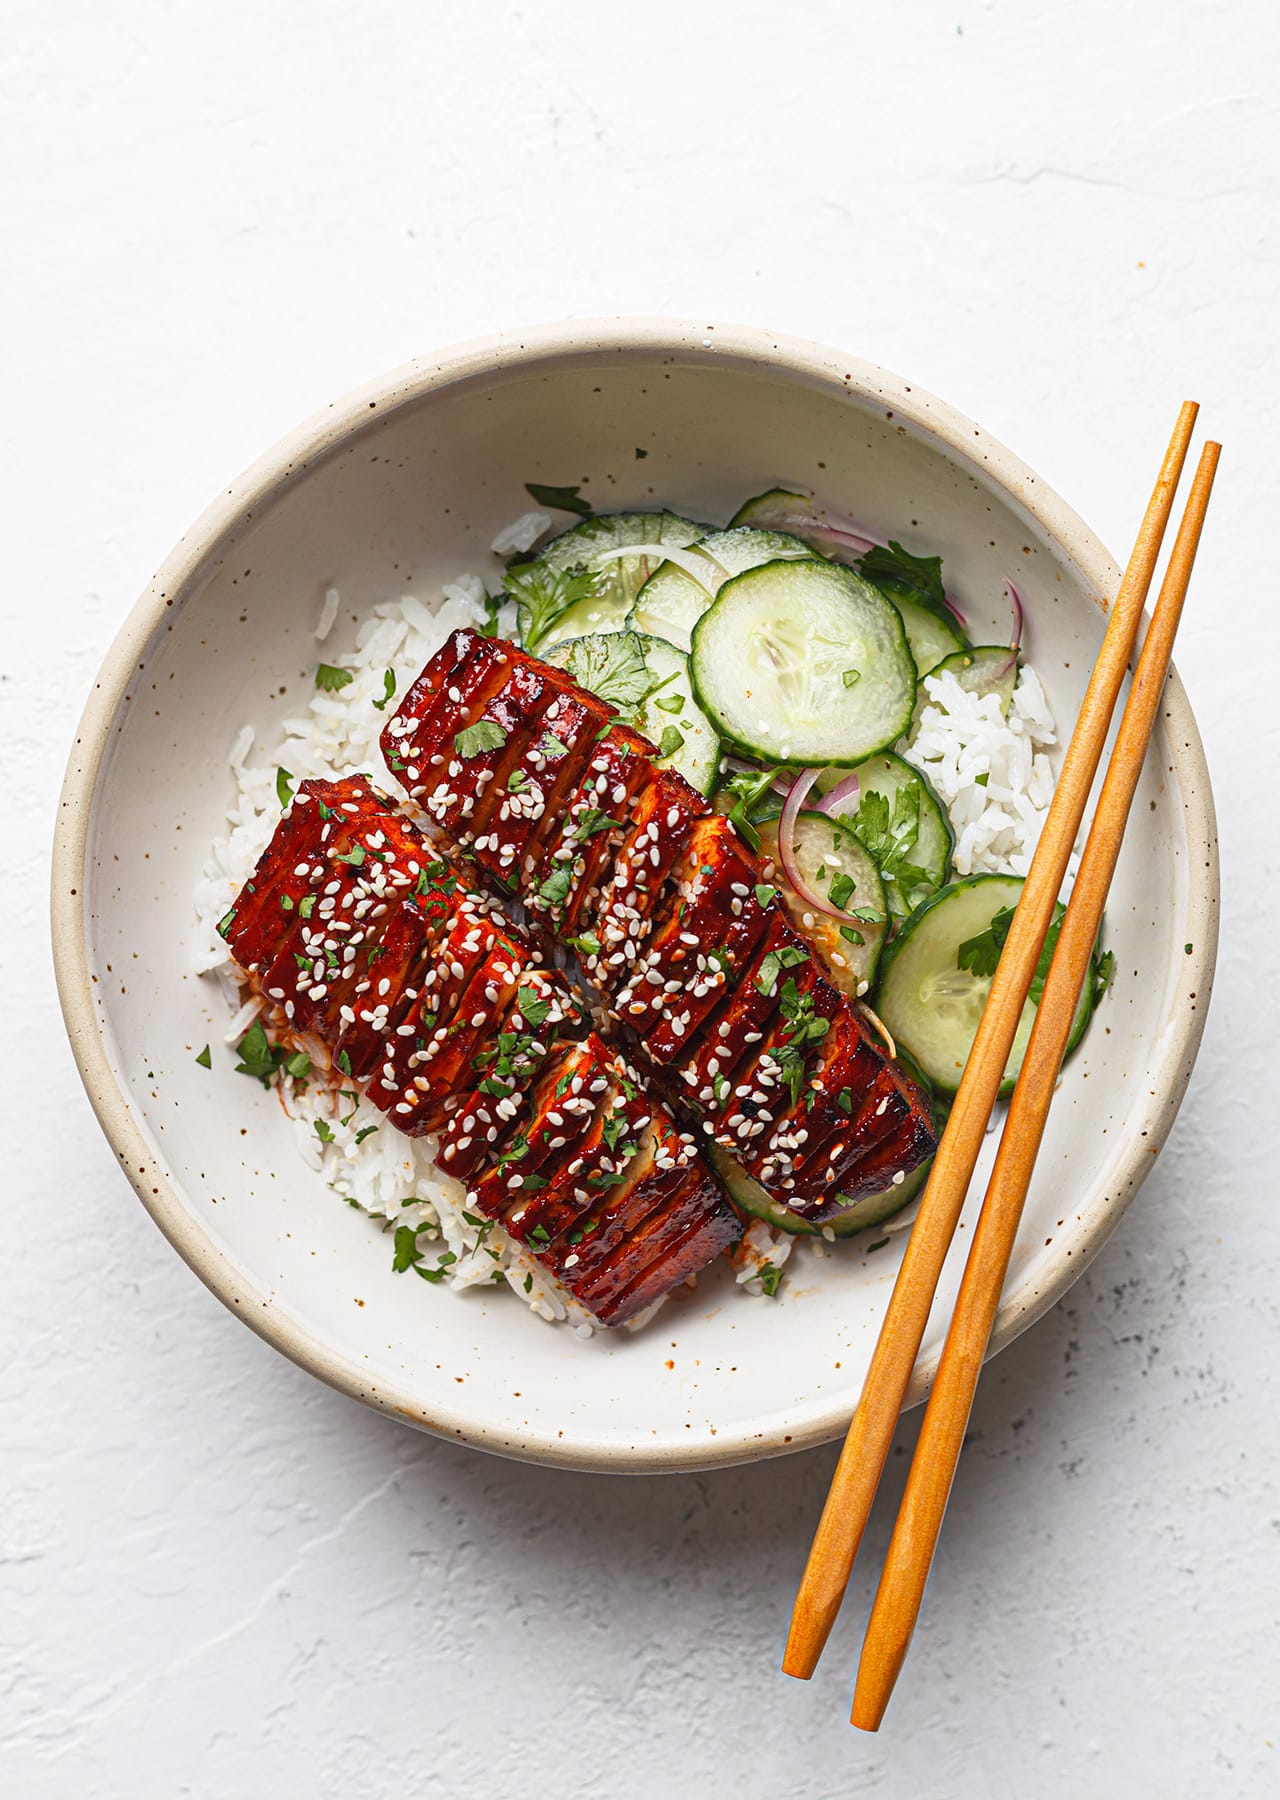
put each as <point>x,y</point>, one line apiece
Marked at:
<point>888,775</point>
<point>982,669</point>
<point>750,1198</point>
<point>764,508</point>
<point>931,637</point>
<point>931,1005</point>
<point>671,602</point>
<point>826,853</point>
<point>648,681</point>
<point>588,546</point>
<point>804,662</point>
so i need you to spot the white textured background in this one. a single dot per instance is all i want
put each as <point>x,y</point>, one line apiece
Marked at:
<point>216,1577</point>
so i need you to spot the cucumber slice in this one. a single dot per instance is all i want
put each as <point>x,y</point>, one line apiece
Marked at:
<point>804,662</point>
<point>671,602</point>
<point>931,637</point>
<point>889,775</point>
<point>826,853</point>
<point>749,1197</point>
<point>586,545</point>
<point>763,509</point>
<point>982,669</point>
<point>930,1004</point>
<point>648,681</point>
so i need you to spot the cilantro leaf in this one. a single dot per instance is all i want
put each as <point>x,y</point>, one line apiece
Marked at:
<point>324,1131</point>
<point>770,1276</point>
<point>259,1058</point>
<point>388,689</point>
<point>981,954</point>
<point>364,1132</point>
<point>353,857</point>
<point>473,740</point>
<point>753,803</point>
<point>492,607</point>
<point>284,791</point>
<point>566,499</point>
<point>205,1059</point>
<point>889,835</point>
<point>532,1006</point>
<point>896,572</point>
<point>613,1128</point>
<point>764,893</point>
<point>1103,970</point>
<point>771,966</point>
<point>612,666</point>
<point>555,888</point>
<point>586,945</point>
<point>542,595</point>
<point>407,1253</point>
<point>589,821</point>
<point>670,741</point>
<point>330,680</point>
<point>672,703</point>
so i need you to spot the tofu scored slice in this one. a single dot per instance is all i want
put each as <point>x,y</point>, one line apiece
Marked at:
<point>710,923</point>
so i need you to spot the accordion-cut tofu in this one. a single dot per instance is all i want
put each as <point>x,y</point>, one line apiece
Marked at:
<point>376,953</point>
<point>668,910</point>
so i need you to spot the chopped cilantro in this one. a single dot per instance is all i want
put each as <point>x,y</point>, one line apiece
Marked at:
<point>492,607</point>
<point>516,781</point>
<point>364,1132</point>
<point>841,890</point>
<point>330,680</point>
<point>306,906</point>
<point>555,888</point>
<point>770,1276</point>
<point>613,1128</point>
<point>388,689</point>
<point>590,821</point>
<point>586,945</point>
<point>772,965</point>
<point>764,893</point>
<point>533,1007</point>
<point>981,954</point>
<point>851,676</point>
<point>472,740</point>
<point>354,857</point>
<point>259,1058</point>
<point>324,1131</point>
<point>899,574</point>
<point>284,792</point>
<point>298,1065</point>
<point>670,742</point>
<point>406,1249</point>
<point>567,499</point>
<point>343,1061</point>
<point>672,703</point>
<point>542,595</point>
<point>226,922</point>
<point>888,837</point>
<point>612,667</point>
<point>552,747</point>
<point>205,1059</point>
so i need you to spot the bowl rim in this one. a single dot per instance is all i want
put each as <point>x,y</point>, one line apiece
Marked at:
<point>285,465</point>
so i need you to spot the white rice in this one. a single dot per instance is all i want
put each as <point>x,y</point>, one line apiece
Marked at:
<point>395,1179</point>
<point>390,1177</point>
<point>962,737</point>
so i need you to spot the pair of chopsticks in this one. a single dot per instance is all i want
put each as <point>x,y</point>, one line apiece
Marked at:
<point>915,1537</point>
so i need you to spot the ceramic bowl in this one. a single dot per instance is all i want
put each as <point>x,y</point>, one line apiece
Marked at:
<point>398,488</point>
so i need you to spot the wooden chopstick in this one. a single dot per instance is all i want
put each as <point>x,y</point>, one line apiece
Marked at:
<point>933,1466</point>
<point>866,1446</point>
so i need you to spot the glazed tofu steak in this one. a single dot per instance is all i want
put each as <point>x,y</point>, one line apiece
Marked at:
<point>670,914</point>
<point>386,963</point>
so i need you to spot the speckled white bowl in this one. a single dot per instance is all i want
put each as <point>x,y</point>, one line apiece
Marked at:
<point>400,487</point>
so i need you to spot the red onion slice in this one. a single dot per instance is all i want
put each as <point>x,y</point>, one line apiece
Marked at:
<point>787,846</point>
<point>1015,601</point>
<point>840,795</point>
